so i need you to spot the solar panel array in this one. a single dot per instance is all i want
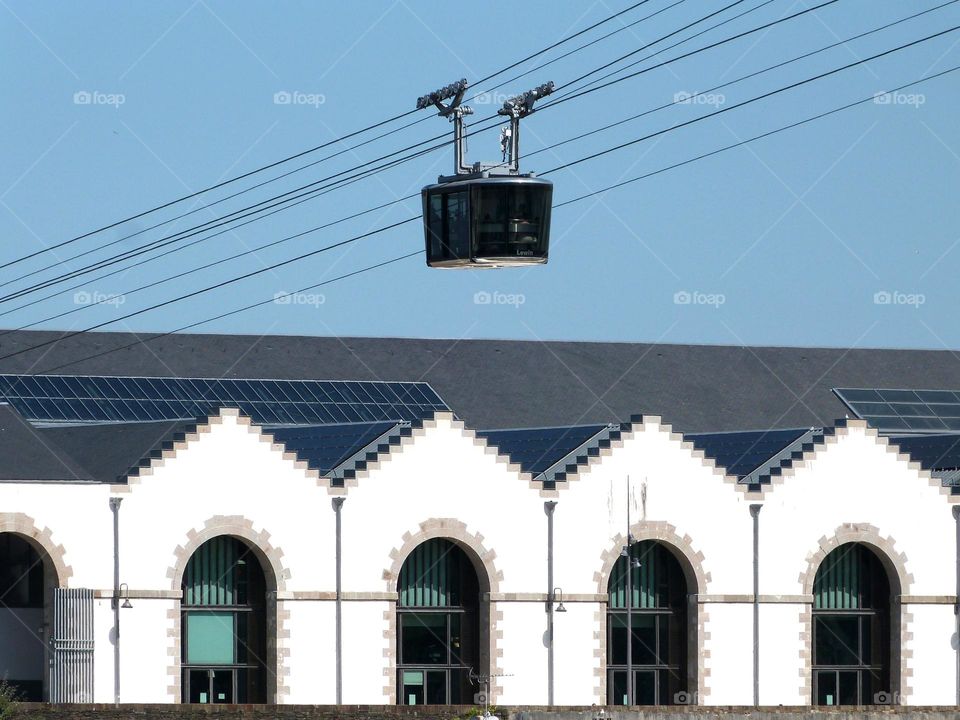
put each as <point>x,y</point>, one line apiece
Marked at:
<point>933,452</point>
<point>324,447</point>
<point>87,399</point>
<point>537,449</point>
<point>740,453</point>
<point>904,410</point>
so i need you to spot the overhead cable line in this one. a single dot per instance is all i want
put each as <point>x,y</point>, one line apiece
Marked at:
<point>741,143</point>
<point>310,150</point>
<point>553,146</point>
<point>312,253</point>
<point>214,223</point>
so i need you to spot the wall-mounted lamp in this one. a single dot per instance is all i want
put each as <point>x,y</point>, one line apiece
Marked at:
<point>125,595</point>
<point>558,597</point>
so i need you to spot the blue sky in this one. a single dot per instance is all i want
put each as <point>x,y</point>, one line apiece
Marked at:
<point>844,232</point>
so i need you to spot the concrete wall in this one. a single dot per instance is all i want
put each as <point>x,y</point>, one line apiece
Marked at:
<point>444,482</point>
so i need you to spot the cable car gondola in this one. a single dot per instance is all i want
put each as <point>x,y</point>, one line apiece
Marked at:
<point>486,215</point>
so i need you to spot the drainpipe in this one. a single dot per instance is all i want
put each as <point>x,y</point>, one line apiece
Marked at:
<point>956,605</point>
<point>548,508</point>
<point>755,514</point>
<point>337,507</point>
<point>115,509</point>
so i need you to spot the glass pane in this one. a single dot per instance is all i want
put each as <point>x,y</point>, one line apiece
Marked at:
<point>617,692</point>
<point>223,686</point>
<point>646,693</point>
<point>424,638</point>
<point>461,688</point>
<point>836,640</point>
<point>210,638</point>
<point>490,218</point>
<point>617,640</point>
<point>434,214</point>
<point>526,217</point>
<point>437,687</point>
<point>848,688</point>
<point>644,639</point>
<point>413,690</point>
<point>826,682</point>
<point>456,641</point>
<point>197,686</point>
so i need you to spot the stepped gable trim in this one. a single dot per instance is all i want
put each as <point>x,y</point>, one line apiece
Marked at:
<point>179,441</point>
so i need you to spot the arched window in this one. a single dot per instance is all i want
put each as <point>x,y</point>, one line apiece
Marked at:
<point>223,624</point>
<point>438,626</point>
<point>648,665</point>
<point>23,597</point>
<point>851,628</point>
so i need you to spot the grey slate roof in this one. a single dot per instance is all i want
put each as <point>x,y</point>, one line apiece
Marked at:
<point>510,384</point>
<point>26,454</point>
<point>108,452</point>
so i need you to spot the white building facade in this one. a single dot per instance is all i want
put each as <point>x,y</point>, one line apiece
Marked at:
<point>854,540</point>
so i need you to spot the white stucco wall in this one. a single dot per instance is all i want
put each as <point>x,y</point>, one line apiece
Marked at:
<point>442,482</point>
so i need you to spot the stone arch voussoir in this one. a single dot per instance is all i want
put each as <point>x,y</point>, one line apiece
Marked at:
<point>691,561</point>
<point>42,540</point>
<point>901,580</point>
<point>489,577</point>
<point>275,575</point>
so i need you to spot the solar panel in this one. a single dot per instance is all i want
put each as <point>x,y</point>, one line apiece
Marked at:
<point>54,399</point>
<point>740,453</point>
<point>933,452</point>
<point>893,410</point>
<point>537,449</point>
<point>326,446</point>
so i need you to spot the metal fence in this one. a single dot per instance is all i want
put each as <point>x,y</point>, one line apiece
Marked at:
<point>71,674</point>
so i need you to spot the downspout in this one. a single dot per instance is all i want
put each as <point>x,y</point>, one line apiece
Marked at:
<point>337,507</point>
<point>956,604</point>
<point>115,509</point>
<point>630,678</point>
<point>548,508</point>
<point>755,514</point>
